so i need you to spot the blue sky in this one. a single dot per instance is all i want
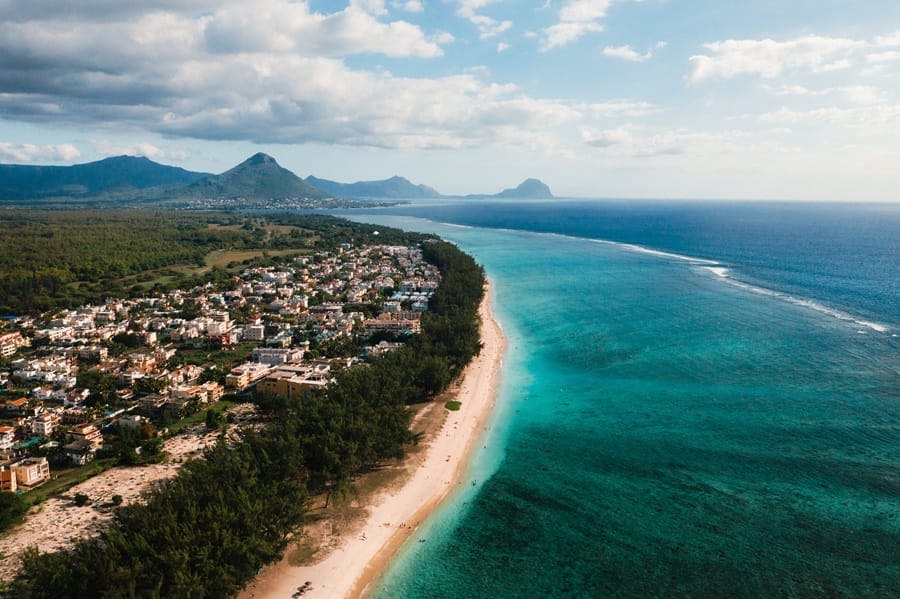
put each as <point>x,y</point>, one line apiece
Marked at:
<point>762,99</point>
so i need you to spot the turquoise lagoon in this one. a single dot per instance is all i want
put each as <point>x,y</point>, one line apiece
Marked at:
<point>667,428</point>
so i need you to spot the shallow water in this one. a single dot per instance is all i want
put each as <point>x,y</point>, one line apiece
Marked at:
<point>664,431</point>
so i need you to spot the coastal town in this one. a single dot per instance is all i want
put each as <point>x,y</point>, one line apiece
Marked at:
<point>119,382</point>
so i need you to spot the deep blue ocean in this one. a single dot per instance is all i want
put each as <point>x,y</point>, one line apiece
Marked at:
<point>698,399</point>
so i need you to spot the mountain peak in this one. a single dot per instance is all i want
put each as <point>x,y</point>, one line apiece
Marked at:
<point>259,177</point>
<point>260,158</point>
<point>529,188</point>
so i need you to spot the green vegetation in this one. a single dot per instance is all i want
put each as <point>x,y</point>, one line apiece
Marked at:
<point>208,531</point>
<point>60,483</point>
<point>51,259</point>
<point>453,406</point>
<point>12,510</point>
<point>199,417</point>
<point>202,535</point>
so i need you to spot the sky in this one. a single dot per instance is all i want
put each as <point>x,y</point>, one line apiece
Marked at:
<point>760,99</point>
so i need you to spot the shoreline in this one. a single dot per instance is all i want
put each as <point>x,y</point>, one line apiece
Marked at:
<point>393,514</point>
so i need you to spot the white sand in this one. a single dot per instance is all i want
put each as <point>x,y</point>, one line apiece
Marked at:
<point>364,552</point>
<point>55,523</point>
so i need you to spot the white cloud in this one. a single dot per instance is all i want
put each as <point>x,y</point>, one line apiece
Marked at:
<point>27,153</point>
<point>375,7</point>
<point>139,148</point>
<point>640,142</point>
<point>409,5</point>
<point>862,94</point>
<point>576,18</point>
<point>624,140</point>
<point>877,117</point>
<point>271,73</point>
<point>879,62</point>
<point>627,53</point>
<point>769,58</point>
<point>607,138</point>
<point>487,27</point>
<point>503,47</point>
<point>856,94</point>
<point>283,27</point>
<point>788,90</point>
<point>881,57</point>
<point>616,108</point>
<point>888,40</point>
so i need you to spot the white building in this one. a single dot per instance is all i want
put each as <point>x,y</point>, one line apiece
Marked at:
<point>44,424</point>
<point>7,437</point>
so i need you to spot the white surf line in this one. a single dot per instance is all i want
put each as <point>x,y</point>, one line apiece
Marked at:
<point>723,274</point>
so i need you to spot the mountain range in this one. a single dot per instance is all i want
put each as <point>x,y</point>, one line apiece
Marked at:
<point>395,187</point>
<point>121,174</point>
<point>130,179</point>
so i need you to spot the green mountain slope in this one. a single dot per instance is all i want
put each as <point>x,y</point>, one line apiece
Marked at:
<point>395,187</point>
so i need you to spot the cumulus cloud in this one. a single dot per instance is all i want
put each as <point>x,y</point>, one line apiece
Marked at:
<point>870,117</point>
<point>881,57</point>
<point>487,27</point>
<point>293,28</point>
<point>27,153</point>
<point>409,5</point>
<point>625,141</point>
<point>888,40</point>
<point>607,138</point>
<point>617,108</point>
<point>273,73</point>
<point>633,141</point>
<point>576,18</point>
<point>139,148</point>
<point>769,58</point>
<point>630,54</point>
<point>626,53</point>
<point>856,94</point>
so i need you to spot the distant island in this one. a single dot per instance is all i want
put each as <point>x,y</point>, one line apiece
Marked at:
<point>258,182</point>
<point>527,189</point>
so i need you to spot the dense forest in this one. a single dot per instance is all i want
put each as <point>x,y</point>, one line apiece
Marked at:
<point>208,531</point>
<point>65,258</point>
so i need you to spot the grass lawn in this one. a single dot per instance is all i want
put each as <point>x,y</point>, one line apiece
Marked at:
<point>199,417</point>
<point>66,480</point>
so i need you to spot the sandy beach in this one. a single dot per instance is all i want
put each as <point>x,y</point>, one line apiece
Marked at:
<point>364,548</point>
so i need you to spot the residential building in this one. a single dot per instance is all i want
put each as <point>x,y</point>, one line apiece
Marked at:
<point>44,424</point>
<point>274,355</point>
<point>290,380</point>
<point>16,407</point>
<point>87,432</point>
<point>246,374</point>
<point>7,437</point>
<point>399,325</point>
<point>31,472</point>
<point>7,480</point>
<point>255,333</point>
<point>80,452</point>
<point>10,342</point>
<point>132,421</point>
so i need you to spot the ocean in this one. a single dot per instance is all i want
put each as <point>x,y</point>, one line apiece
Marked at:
<point>698,399</point>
